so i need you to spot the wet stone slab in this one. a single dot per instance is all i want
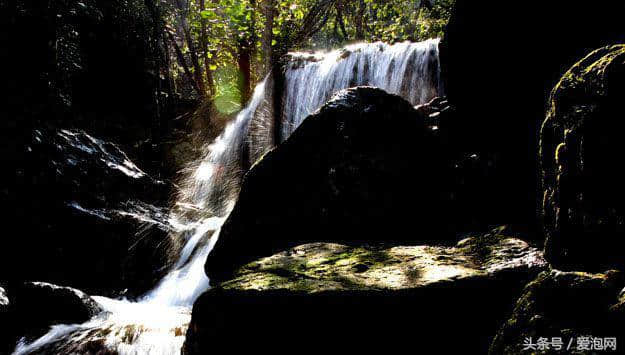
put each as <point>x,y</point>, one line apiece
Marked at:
<point>398,295</point>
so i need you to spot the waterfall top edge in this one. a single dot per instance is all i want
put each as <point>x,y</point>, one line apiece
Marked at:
<point>339,53</point>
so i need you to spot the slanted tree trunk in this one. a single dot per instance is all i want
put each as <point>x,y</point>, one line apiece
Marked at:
<point>197,70</point>
<point>183,62</point>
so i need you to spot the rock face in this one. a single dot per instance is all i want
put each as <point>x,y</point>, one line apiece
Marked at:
<point>499,72</point>
<point>87,217</point>
<point>365,167</point>
<point>418,295</point>
<point>35,306</point>
<point>566,305</point>
<point>584,196</point>
<point>89,64</point>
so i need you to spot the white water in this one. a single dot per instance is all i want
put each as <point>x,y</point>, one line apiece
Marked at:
<point>411,70</point>
<point>157,323</point>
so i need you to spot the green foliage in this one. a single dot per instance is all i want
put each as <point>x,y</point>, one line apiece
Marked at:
<point>227,97</point>
<point>232,27</point>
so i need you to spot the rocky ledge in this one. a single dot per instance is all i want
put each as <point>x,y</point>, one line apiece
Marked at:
<point>400,295</point>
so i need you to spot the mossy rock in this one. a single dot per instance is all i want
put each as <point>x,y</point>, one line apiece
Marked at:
<point>366,167</point>
<point>565,305</point>
<point>581,148</point>
<point>352,296</point>
<point>321,267</point>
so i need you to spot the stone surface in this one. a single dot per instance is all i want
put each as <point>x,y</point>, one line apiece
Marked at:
<point>565,305</point>
<point>87,217</point>
<point>499,71</point>
<point>580,147</point>
<point>36,306</point>
<point>332,295</point>
<point>366,167</point>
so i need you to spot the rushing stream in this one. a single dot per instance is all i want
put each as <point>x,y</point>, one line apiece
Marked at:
<point>157,323</point>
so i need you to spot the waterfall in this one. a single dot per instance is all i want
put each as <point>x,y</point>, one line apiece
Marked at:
<point>411,70</point>
<point>211,188</point>
<point>157,322</point>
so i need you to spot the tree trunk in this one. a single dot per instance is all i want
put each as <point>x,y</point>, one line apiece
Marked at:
<point>197,70</point>
<point>245,54</point>
<point>339,19</point>
<point>183,62</point>
<point>207,62</point>
<point>267,38</point>
<point>244,63</point>
<point>360,25</point>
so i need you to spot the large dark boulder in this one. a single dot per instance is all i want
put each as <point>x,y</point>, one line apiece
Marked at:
<point>366,167</point>
<point>500,60</point>
<point>366,299</point>
<point>36,306</point>
<point>86,216</point>
<point>574,307</point>
<point>581,146</point>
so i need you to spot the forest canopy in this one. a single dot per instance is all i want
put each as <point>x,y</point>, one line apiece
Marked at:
<point>221,48</point>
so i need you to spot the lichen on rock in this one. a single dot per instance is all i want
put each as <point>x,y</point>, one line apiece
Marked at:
<point>581,147</point>
<point>399,295</point>
<point>565,305</point>
<point>319,267</point>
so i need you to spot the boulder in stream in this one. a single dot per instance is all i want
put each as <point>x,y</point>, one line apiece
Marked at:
<point>365,167</point>
<point>324,296</point>
<point>36,306</point>
<point>581,148</point>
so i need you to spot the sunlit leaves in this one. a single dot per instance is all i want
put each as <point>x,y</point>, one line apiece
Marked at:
<point>231,24</point>
<point>227,98</point>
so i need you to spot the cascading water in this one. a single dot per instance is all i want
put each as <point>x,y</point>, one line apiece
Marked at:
<point>156,324</point>
<point>411,70</point>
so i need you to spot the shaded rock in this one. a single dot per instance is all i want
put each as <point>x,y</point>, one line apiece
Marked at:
<point>498,72</point>
<point>580,147</point>
<point>35,306</point>
<point>399,296</point>
<point>88,217</point>
<point>87,64</point>
<point>366,167</point>
<point>565,305</point>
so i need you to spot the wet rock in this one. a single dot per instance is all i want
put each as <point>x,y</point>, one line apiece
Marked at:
<point>36,306</point>
<point>415,296</point>
<point>580,147</point>
<point>88,217</point>
<point>501,89</point>
<point>4,300</point>
<point>565,305</point>
<point>6,339</point>
<point>366,167</point>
